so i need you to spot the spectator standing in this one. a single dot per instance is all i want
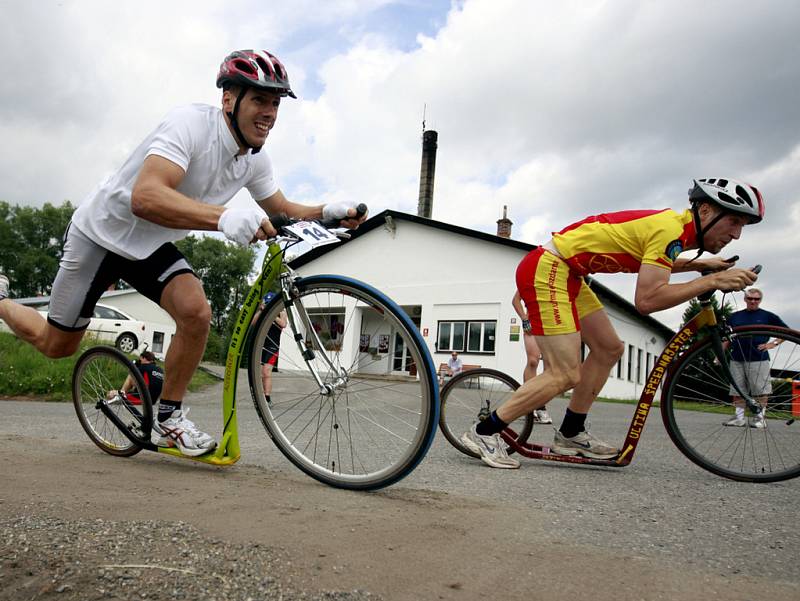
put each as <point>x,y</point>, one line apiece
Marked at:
<point>750,359</point>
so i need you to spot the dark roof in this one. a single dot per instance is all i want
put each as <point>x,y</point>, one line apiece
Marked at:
<point>379,219</point>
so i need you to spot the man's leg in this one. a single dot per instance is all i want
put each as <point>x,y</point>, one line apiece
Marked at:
<point>605,349</point>
<point>562,361</point>
<point>532,354</point>
<point>183,298</point>
<point>532,357</point>
<point>266,377</point>
<point>29,325</point>
<point>561,356</point>
<point>738,418</point>
<point>185,301</point>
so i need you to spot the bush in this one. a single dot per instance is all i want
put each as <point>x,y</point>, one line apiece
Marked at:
<point>216,348</point>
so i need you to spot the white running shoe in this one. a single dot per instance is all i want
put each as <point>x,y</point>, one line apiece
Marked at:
<point>4,286</point>
<point>178,431</point>
<point>492,449</point>
<point>541,416</point>
<point>759,421</point>
<point>584,444</point>
<point>737,422</point>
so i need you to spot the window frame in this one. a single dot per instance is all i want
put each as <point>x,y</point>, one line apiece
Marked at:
<point>464,347</point>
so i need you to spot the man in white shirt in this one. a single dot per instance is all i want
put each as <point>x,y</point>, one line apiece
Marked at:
<point>177,180</point>
<point>454,365</point>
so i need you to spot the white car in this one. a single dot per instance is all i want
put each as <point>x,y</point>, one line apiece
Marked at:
<point>112,325</point>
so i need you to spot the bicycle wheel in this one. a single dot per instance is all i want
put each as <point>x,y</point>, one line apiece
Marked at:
<point>697,403</point>
<point>471,396</point>
<point>372,417</point>
<point>113,419</point>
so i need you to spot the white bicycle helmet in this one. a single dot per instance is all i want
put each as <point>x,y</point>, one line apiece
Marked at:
<point>732,195</point>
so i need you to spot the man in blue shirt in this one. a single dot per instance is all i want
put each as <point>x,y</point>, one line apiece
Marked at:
<point>750,359</point>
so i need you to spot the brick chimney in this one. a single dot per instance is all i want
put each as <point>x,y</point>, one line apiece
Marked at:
<point>504,224</point>
<point>427,172</point>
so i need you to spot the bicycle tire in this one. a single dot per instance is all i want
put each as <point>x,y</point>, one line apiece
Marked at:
<point>471,396</point>
<point>375,428</point>
<point>99,371</point>
<point>746,454</point>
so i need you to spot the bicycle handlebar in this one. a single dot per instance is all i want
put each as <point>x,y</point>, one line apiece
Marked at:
<point>707,295</point>
<point>281,221</point>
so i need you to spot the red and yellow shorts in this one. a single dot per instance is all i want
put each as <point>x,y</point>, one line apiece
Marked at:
<point>556,298</point>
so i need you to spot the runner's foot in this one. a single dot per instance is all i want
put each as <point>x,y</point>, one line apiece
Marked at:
<point>584,444</point>
<point>178,431</point>
<point>492,449</point>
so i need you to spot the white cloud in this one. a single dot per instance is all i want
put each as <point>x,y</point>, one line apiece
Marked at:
<point>558,110</point>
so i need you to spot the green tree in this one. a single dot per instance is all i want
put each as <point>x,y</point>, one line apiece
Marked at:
<point>30,245</point>
<point>223,268</point>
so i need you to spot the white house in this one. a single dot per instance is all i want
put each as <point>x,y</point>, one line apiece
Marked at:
<point>456,284</point>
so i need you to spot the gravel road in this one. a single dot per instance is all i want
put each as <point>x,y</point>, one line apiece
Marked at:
<point>79,524</point>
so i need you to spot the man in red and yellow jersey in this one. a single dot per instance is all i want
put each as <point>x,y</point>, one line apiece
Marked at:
<point>563,311</point>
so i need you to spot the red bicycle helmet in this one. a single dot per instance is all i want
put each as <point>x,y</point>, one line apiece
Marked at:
<point>254,68</point>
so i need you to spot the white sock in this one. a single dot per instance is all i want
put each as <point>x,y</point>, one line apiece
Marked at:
<point>739,412</point>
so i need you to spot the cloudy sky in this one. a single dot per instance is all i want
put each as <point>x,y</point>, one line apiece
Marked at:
<point>556,109</point>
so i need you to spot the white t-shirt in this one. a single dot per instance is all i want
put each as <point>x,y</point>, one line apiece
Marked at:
<point>455,365</point>
<point>197,139</point>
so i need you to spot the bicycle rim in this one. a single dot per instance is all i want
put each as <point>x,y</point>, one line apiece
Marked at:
<point>96,381</point>
<point>698,401</point>
<point>470,397</point>
<point>379,419</point>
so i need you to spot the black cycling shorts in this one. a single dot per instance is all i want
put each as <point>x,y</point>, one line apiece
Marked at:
<point>87,270</point>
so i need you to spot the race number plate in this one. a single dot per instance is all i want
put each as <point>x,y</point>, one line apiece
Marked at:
<point>312,233</point>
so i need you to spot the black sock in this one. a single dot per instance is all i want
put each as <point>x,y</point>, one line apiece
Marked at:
<point>166,407</point>
<point>573,424</point>
<point>491,425</point>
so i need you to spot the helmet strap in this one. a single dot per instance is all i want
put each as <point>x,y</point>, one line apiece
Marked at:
<point>235,123</point>
<point>701,231</point>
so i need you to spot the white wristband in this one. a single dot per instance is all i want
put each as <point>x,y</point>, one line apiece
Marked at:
<point>241,225</point>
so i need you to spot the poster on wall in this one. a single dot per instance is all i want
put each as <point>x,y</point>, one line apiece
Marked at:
<point>383,343</point>
<point>363,344</point>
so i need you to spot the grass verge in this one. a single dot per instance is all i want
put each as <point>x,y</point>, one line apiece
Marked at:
<point>25,373</point>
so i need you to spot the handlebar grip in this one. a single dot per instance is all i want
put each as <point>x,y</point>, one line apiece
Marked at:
<point>361,210</point>
<point>279,221</point>
<point>756,269</point>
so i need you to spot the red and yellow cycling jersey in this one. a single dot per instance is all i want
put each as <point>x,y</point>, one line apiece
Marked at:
<point>623,241</point>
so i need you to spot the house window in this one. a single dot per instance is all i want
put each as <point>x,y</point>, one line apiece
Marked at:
<point>481,336</point>
<point>466,336</point>
<point>619,368</point>
<point>158,342</point>
<point>630,363</point>
<point>451,335</point>
<point>638,366</point>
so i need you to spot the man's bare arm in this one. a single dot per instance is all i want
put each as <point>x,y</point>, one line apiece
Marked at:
<point>155,198</point>
<point>655,293</point>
